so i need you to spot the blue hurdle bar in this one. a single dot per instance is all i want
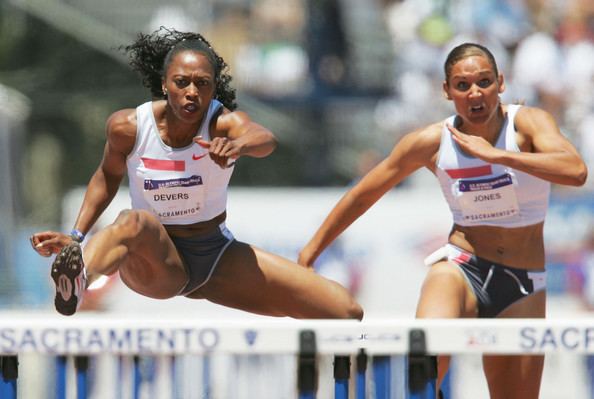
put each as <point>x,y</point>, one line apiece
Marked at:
<point>206,378</point>
<point>148,373</point>
<point>61,362</point>
<point>9,372</point>
<point>446,384</point>
<point>381,376</point>
<point>81,365</point>
<point>342,373</point>
<point>136,378</point>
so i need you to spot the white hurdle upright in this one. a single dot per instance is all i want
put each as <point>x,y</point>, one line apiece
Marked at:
<point>85,336</point>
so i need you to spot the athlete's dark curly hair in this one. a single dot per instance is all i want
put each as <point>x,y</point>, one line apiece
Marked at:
<point>151,54</point>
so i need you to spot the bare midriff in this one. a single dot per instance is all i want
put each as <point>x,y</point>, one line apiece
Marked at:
<point>519,247</point>
<point>199,228</point>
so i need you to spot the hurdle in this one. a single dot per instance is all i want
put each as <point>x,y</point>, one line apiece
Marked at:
<point>84,336</point>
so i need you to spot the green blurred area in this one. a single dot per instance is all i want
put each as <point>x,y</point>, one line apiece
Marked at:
<point>73,87</point>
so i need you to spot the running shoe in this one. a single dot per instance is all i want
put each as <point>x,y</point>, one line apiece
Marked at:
<point>68,273</point>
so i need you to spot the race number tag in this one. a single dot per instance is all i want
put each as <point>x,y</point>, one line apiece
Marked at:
<point>487,199</point>
<point>175,198</point>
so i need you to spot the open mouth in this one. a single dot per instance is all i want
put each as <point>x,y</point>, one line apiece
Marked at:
<point>191,107</point>
<point>477,108</point>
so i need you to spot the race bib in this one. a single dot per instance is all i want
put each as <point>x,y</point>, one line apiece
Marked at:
<point>487,199</point>
<point>175,198</point>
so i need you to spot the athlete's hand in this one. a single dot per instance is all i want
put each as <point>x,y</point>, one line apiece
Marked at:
<point>48,243</point>
<point>474,145</point>
<point>222,150</point>
<point>306,257</point>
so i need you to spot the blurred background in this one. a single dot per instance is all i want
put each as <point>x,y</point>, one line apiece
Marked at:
<point>338,81</point>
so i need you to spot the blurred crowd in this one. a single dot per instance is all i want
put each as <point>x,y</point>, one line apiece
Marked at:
<point>545,48</point>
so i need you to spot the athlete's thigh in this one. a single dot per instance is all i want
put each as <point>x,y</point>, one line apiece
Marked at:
<point>513,377</point>
<point>446,293</point>
<point>257,281</point>
<point>153,266</point>
<point>518,376</point>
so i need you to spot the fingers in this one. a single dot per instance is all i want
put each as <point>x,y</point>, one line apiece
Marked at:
<point>201,142</point>
<point>38,238</point>
<point>224,147</point>
<point>38,246</point>
<point>306,265</point>
<point>217,146</point>
<point>34,241</point>
<point>474,145</point>
<point>49,242</point>
<point>43,248</point>
<point>458,136</point>
<point>455,132</point>
<point>220,149</point>
<point>305,260</point>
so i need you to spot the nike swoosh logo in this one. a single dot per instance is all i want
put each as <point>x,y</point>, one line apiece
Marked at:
<point>197,157</point>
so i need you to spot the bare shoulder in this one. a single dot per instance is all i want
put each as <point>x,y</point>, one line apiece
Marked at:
<point>122,121</point>
<point>418,148</point>
<point>530,120</point>
<point>227,119</point>
<point>121,129</point>
<point>429,135</point>
<point>227,122</point>
<point>425,140</point>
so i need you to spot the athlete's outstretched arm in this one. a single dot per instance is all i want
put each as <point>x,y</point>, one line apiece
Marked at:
<point>415,150</point>
<point>105,182</point>
<point>103,185</point>
<point>237,135</point>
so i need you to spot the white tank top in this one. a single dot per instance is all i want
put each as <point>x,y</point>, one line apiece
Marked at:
<point>178,185</point>
<point>480,193</point>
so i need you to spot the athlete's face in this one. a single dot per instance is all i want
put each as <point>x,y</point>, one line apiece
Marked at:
<point>189,83</point>
<point>474,88</point>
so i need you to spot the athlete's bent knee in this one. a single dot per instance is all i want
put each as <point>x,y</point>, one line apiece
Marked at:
<point>356,311</point>
<point>131,222</point>
<point>345,307</point>
<point>352,310</point>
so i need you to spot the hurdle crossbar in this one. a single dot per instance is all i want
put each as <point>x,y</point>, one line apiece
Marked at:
<point>98,333</point>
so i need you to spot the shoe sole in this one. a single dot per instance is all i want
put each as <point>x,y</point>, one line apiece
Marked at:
<point>65,269</point>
